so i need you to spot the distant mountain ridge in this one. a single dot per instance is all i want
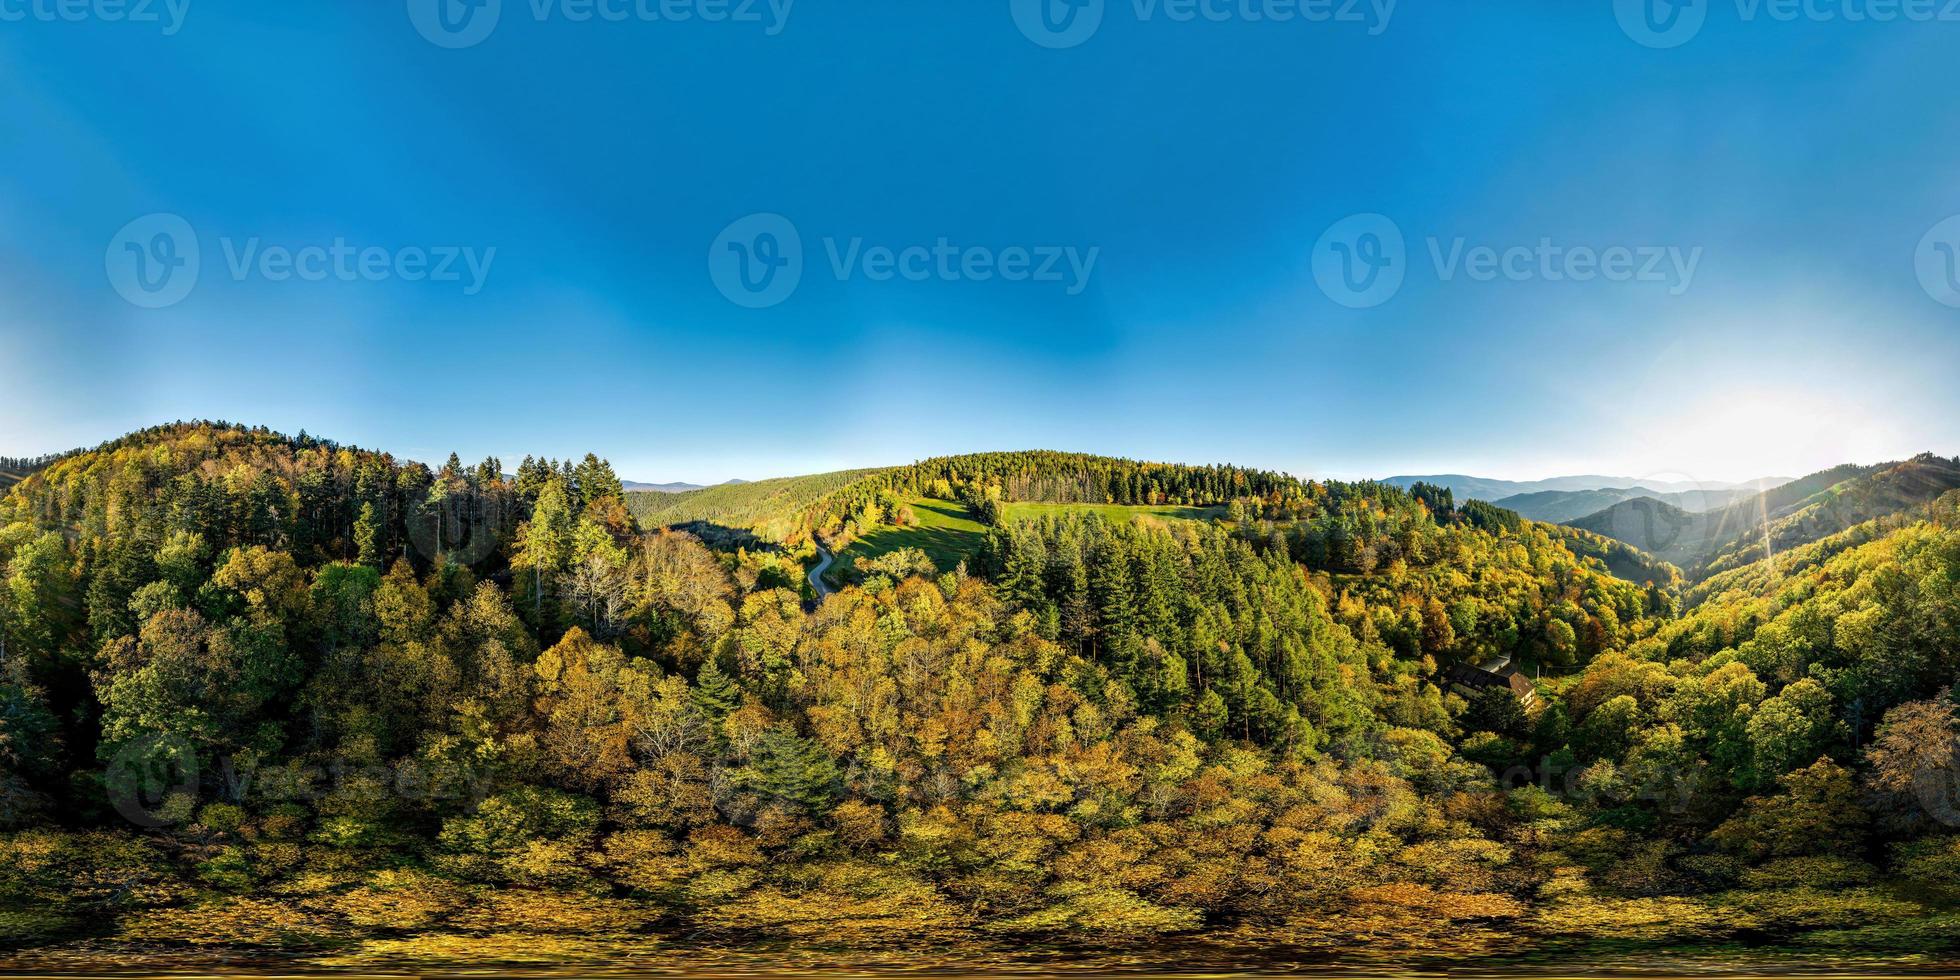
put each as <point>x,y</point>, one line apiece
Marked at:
<point>1492,490</point>
<point>1784,517</point>
<point>776,509</point>
<point>1560,506</point>
<point>632,486</point>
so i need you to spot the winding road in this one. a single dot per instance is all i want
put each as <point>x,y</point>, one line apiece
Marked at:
<point>824,558</point>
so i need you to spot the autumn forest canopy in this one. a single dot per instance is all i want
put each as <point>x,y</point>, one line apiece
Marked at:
<point>277,693</point>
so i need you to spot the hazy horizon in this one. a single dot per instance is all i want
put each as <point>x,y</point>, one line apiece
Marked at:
<point>662,477</point>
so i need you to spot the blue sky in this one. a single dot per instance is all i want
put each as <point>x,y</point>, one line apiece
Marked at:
<point>1801,164</point>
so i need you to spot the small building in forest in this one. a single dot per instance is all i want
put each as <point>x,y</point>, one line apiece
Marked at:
<point>1471,680</point>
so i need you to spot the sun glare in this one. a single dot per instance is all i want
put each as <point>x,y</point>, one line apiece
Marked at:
<point>1759,432</point>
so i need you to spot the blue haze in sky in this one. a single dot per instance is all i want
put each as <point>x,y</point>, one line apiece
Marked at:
<point>1800,167</point>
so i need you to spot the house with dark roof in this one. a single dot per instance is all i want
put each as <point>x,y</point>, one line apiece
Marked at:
<point>1471,680</point>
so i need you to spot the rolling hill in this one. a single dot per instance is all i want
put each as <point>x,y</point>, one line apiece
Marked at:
<point>1559,506</point>
<point>634,486</point>
<point>1641,533</point>
<point>841,506</point>
<point>14,469</point>
<point>776,510</point>
<point>949,534</point>
<point>1623,560</point>
<point>1494,491</point>
<point>857,512</point>
<point>1784,517</point>
<point>1653,526</point>
<point>287,600</point>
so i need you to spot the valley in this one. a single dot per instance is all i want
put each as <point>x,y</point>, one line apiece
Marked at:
<point>1757,526</point>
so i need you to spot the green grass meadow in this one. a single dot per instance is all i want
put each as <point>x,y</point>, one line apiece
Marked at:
<point>945,532</point>
<point>773,509</point>
<point>1113,512</point>
<point>948,534</point>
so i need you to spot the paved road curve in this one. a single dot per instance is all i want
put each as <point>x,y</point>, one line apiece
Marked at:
<point>824,559</point>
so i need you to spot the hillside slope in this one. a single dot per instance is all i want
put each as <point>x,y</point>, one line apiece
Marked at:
<point>882,508</point>
<point>1257,726</point>
<point>1560,506</point>
<point>776,510</point>
<point>1493,490</point>
<point>1623,560</point>
<point>1655,527</point>
<point>14,469</point>
<point>840,506</point>
<point>243,486</point>
<point>1785,517</point>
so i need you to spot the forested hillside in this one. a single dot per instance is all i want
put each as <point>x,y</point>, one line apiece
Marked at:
<point>1796,520</point>
<point>839,507</point>
<point>1560,506</point>
<point>14,469</point>
<point>779,510</point>
<point>1776,520</point>
<point>1654,527</point>
<point>279,694</point>
<point>1498,491</point>
<point>1620,558</point>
